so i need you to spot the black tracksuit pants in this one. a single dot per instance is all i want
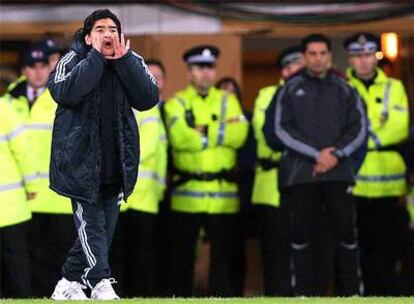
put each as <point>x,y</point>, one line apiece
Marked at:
<point>87,261</point>
<point>184,233</point>
<point>303,203</point>
<point>50,238</point>
<point>14,262</point>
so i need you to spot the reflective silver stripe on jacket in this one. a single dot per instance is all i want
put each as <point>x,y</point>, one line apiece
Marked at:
<point>386,102</point>
<point>146,120</point>
<point>13,186</point>
<point>12,134</point>
<point>39,126</point>
<point>222,127</point>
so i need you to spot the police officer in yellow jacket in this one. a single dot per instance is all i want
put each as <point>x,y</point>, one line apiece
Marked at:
<point>53,52</point>
<point>18,181</point>
<point>266,197</point>
<point>157,68</point>
<point>159,71</point>
<point>33,103</point>
<point>143,207</point>
<point>206,126</point>
<point>135,250</point>
<point>381,179</point>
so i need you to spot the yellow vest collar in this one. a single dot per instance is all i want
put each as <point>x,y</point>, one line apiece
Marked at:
<point>379,79</point>
<point>191,91</point>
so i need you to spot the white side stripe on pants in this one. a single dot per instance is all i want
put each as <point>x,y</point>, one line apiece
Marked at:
<point>91,259</point>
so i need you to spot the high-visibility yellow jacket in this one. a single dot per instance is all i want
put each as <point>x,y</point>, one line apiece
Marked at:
<point>383,172</point>
<point>18,168</point>
<point>146,195</point>
<point>410,206</point>
<point>212,152</point>
<point>38,120</point>
<point>265,188</point>
<point>162,160</point>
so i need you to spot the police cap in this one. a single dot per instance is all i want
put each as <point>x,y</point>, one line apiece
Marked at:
<point>202,55</point>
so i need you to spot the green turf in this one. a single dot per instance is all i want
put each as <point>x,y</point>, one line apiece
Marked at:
<point>354,300</point>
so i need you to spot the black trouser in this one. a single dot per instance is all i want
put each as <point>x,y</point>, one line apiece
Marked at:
<point>239,253</point>
<point>275,250</point>
<point>14,262</point>
<point>139,253</point>
<point>163,248</point>
<point>50,238</point>
<point>87,261</point>
<point>323,247</point>
<point>303,203</point>
<point>405,245</point>
<point>184,232</point>
<point>383,235</point>
<point>245,218</point>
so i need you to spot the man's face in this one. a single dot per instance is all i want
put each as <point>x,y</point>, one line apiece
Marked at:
<point>37,74</point>
<point>317,57</point>
<point>202,76</point>
<point>363,64</point>
<point>292,68</point>
<point>104,30</point>
<point>158,74</point>
<point>53,60</point>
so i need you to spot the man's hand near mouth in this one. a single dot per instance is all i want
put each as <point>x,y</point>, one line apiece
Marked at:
<point>120,47</point>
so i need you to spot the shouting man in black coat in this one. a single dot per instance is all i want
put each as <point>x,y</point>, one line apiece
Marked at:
<point>95,147</point>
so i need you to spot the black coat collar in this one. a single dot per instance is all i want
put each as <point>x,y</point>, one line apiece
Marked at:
<point>81,48</point>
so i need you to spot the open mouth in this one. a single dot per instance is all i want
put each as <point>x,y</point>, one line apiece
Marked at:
<point>107,43</point>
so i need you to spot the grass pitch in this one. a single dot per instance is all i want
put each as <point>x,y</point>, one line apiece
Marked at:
<point>353,300</point>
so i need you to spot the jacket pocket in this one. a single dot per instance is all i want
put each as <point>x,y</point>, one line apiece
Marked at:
<point>61,155</point>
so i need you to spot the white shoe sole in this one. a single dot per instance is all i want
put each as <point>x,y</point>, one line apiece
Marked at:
<point>63,298</point>
<point>109,299</point>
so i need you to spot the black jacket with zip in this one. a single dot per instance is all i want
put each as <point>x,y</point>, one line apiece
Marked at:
<point>78,86</point>
<point>311,114</point>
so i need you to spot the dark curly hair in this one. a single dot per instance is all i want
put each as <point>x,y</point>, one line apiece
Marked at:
<point>92,18</point>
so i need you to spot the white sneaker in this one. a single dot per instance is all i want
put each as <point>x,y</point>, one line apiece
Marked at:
<point>67,290</point>
<point>104,291</point>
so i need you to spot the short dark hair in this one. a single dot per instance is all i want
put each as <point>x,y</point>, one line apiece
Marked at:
<point>315,38</point>
<point>157,62</point>
<point>89,22</point>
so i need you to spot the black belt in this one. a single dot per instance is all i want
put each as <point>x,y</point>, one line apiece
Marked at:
<point>393,148</point>
<point>267,164</point>
<point>183,177</point>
